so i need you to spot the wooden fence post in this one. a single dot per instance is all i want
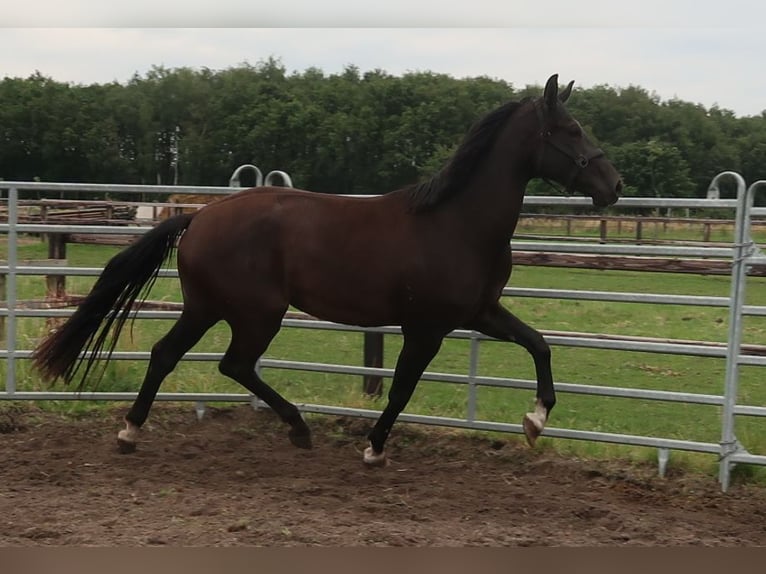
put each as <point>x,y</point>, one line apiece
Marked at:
<point>373,357</point>
<point>56,284</point>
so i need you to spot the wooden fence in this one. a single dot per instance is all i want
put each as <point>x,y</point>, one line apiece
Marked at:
<point>642,228</point>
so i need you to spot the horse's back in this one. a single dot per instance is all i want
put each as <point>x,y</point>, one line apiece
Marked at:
<point>363,261</point>
<point>335,257</point>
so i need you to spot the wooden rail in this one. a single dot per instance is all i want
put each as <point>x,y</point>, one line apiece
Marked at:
<point>639,224</point>
<point>627,263</point>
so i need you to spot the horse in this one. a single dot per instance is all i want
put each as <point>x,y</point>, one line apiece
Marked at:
<point>430,257</point>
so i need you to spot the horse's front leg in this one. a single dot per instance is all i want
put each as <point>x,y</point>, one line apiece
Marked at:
<point>499,323</point>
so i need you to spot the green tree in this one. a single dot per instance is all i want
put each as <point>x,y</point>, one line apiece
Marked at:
<point>653,168</point>
<point>349,132</point>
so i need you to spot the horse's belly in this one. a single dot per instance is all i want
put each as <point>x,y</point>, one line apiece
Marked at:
<point>347,300</point>
<point>368,303</point>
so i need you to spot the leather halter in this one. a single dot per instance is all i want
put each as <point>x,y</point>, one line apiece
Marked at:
<point>580,161</point>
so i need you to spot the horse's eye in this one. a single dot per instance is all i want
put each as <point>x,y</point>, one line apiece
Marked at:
<point>574,129</point>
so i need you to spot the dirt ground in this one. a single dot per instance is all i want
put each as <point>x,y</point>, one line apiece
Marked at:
<point>233,479</point>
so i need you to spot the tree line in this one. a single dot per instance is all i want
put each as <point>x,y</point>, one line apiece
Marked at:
<point>346,133</point>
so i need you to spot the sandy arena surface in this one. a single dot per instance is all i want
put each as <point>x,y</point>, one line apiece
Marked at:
<point>233,479</point>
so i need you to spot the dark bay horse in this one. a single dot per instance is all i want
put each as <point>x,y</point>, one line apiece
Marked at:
<point>432,257</point>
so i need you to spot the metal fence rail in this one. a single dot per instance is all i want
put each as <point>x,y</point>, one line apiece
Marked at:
<point>743,253</point>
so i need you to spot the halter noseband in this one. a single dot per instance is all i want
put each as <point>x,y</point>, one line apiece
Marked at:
<point>580,161</point>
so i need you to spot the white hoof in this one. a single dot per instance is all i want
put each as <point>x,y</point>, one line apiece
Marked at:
<point>126,438</point>
<point>534,423</point>
<point>372,458</point>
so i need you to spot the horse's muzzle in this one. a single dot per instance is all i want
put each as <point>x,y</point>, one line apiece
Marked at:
<point>610,198</point>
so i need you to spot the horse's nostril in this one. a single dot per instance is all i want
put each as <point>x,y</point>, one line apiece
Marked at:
<point>618,187</point>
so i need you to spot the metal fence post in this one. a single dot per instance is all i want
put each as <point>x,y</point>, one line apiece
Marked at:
<point>10,289</point>
<point>372,385</point>
<point>473,371</point>
<point>729,443</point>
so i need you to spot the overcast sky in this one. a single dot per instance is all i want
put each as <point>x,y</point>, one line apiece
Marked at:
<point>702,51</point>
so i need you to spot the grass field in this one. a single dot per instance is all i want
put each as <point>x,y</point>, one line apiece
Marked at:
<point>571,365</point>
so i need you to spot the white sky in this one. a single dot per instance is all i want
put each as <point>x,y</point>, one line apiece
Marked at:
<point>702,51</point>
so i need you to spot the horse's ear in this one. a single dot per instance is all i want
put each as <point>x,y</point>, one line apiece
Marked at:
<point>564,96</point>
<point>550,95</point>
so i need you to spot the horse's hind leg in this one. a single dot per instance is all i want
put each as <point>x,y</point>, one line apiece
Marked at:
<point>420,346</point>
<point>166,353</point>
<point>248,343</point>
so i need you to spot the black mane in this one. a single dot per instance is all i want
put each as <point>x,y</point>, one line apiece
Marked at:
<point>461,166</point>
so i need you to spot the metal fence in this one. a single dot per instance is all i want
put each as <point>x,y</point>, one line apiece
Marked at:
<point>743,254</point>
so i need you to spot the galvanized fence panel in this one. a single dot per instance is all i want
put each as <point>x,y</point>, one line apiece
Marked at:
<point>743,254</point>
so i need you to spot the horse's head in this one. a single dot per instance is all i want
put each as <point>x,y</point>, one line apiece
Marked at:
<point>566,155</point>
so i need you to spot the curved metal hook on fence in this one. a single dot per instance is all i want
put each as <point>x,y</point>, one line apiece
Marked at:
<point>277,174</point>
<point>234,179</point>
<point>274,177</point>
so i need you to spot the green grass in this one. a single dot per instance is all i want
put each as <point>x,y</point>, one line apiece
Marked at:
<point>571,365</point>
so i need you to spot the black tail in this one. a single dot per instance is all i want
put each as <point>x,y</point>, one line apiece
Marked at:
<point>97,322</point>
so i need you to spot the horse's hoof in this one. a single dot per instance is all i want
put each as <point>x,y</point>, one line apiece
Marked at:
<point>126,438</point>
<point>300,439</point>
<point>126,446</point>
<point>374,459</point>
<point>532,428</point>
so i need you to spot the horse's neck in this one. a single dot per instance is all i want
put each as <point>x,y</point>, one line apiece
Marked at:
<point>490,206</point>
<point>496,192</point>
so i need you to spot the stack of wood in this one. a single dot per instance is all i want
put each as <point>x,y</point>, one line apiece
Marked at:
<point>74,214</point>
<point>187,203</point>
